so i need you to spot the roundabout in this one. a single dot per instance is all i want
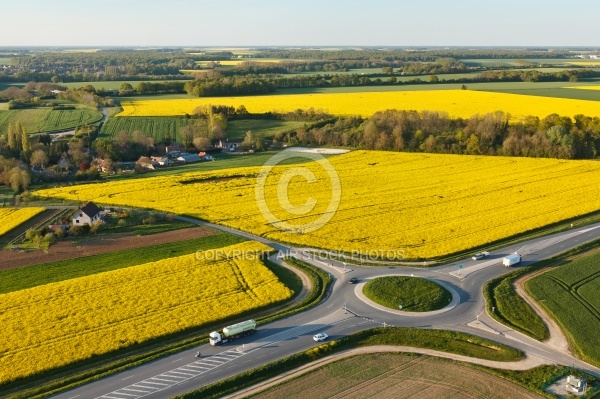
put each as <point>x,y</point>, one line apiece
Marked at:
<point>454,297</point>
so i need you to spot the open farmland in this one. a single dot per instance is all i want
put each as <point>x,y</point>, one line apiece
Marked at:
<point>385,375</point>
<point>502,62</point>
<point>425,205</point>
<point>457,103</point>
<point>584,87</point>
<point>11,217</point>
<point>156,127</point>
<point>48,120</point>
<point>236,129</point>
<point>570,294</point>
<point>76,319</point>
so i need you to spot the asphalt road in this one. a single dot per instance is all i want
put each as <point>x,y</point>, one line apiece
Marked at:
<point>342,313</point>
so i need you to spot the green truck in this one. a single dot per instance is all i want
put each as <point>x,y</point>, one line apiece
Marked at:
<point>232,332</point>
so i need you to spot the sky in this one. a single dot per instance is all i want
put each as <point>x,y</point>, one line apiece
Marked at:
<point>197,23</point>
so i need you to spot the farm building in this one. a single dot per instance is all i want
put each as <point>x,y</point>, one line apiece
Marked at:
<point>174,150</point>
<point>189,158</point>
<point>575,384</point>
<point>205,157</point>
<point>88,214</point>
<point>162,161</point>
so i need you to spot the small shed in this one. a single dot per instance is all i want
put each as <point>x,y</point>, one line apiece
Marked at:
<point>88,214</point>
<point>575,384</point>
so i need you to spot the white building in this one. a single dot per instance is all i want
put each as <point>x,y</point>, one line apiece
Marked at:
<point>87,215</point>
<point>576,385</point>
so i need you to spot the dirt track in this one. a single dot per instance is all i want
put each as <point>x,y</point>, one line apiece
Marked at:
<point>557,337</point>
<point>63,250</point>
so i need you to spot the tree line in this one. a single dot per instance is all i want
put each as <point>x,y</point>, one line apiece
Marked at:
<point>491,134</point>
<point>209,85</point>
<point>411,55</point>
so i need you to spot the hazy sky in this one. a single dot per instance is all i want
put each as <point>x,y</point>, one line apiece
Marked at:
<point>301,23</point>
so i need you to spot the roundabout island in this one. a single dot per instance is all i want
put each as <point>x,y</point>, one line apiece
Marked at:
<point>407,295</point>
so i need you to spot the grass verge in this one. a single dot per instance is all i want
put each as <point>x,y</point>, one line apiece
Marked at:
<point>446,341</point>
<point>512,310</point>
<point>70,377</point>
<point>411,294</point>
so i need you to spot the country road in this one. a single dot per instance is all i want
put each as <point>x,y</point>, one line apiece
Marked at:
<point>344,312</point>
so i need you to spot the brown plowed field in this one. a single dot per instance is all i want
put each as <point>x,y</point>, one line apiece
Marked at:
<point>63,250</point>
<point>388,375</point>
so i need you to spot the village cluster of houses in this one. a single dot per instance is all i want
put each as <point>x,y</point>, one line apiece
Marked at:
<point>175,154</point>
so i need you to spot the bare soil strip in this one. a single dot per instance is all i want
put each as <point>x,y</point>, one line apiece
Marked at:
<point>63,250</point>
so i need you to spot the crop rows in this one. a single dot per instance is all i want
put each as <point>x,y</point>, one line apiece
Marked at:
<point>48,120</point>
<point>156,127</point>
<point>384,375</point>
<point>56,324</point>
<point>416,205</point>
<point>457,103</point>
<point>11,218</point>
<point>570,294</point>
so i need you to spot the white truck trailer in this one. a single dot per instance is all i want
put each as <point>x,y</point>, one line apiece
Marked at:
<point>232,332</point>
<point>511,260</point>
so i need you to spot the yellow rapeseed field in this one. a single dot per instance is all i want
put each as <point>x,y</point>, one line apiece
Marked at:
<point>588,63</point>
<point>12,217</point>
<point>583,87</point>
<point>457,103</point>
<point>426,205</point>
<point>56,324</point>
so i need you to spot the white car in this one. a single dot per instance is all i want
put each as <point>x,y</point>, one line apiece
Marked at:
<point>480,255</point>
<point>320,337</point>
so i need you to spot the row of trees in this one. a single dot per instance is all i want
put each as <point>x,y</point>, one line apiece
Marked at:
<point>86,95</point>
<point>230,86</point>
<point>411,55</point>
<point>210,85</point>
<point>490,134</point>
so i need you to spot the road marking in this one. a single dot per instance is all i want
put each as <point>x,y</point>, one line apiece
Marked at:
<point>126,378</point>
<point>143,386</point>
<point>161,379</point>
<point>196,367</point>
<point>172,377</point>
<point>155,383</point>
<point>134,390</point>
<point>178,360</point>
